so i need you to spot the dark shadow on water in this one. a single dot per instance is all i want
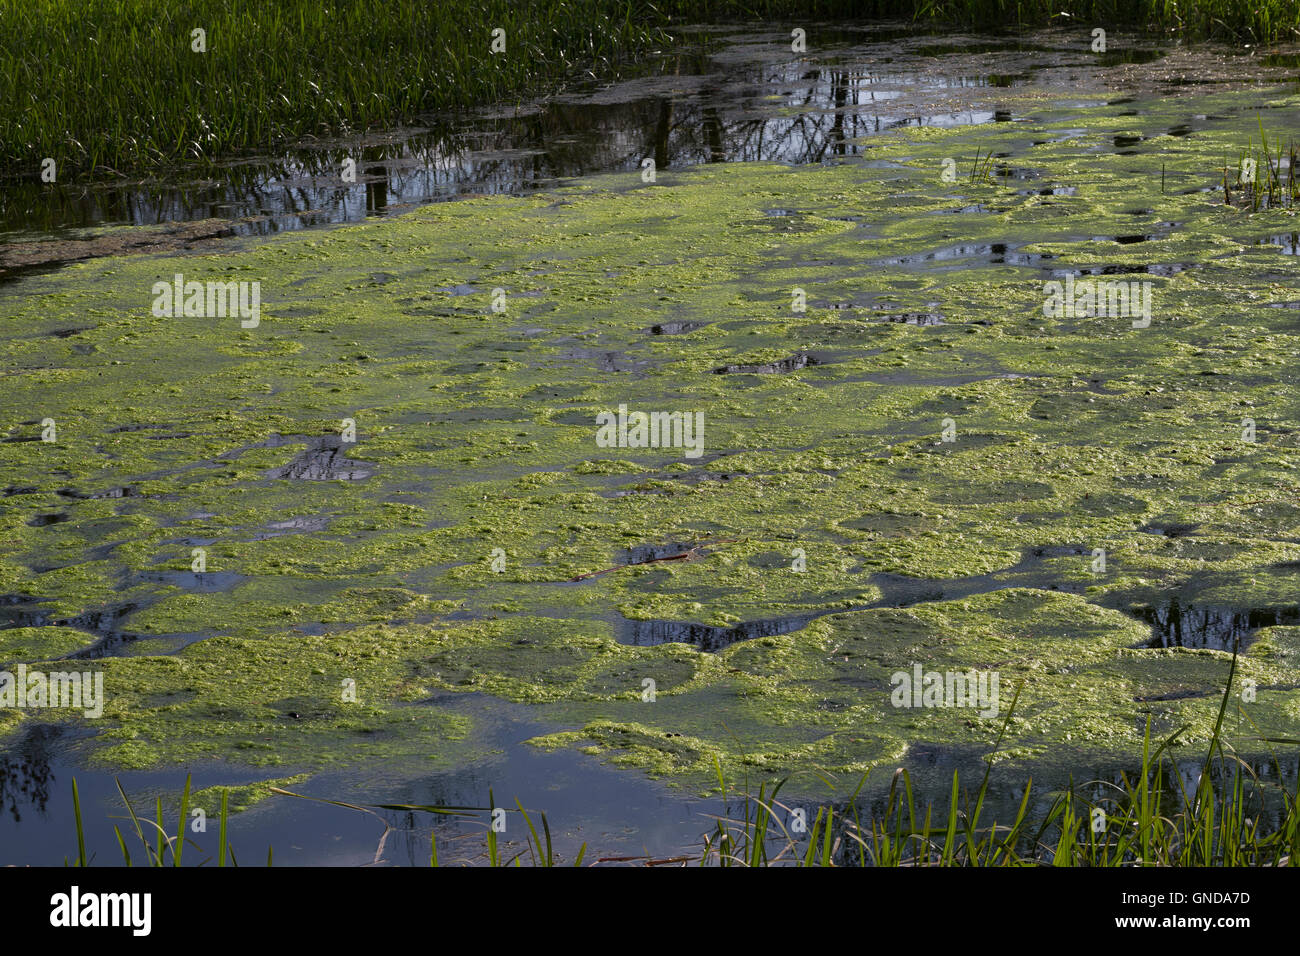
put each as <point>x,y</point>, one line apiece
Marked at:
<point>104,624</point>
<point>41,521</point>
<point>325,459</point>
<point>675,328</point>
<point>708,637</point>
<point>1031,571</point>
<point>792,364</point>
<point>703,636</point>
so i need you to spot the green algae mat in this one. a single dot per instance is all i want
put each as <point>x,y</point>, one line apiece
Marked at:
<point>903,422</point>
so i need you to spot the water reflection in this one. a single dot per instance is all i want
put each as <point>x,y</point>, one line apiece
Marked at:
<point>723,97</point>
<point>1212,627</point>
<point>25,773</point>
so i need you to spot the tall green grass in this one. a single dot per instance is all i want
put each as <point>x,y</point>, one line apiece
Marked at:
<point>1272,183</point>
<point>1230,817</point>
<point>115,84</point>
<point>157,846</point>
<point>105,86</point>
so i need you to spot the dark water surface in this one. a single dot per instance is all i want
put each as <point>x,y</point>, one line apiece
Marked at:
<point>614,812</point>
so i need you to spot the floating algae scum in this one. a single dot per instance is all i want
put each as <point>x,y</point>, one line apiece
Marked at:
<point>922,466</point>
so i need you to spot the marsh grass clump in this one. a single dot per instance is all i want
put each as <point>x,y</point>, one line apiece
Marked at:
<point>1265,175</point>
<point>981,171</point>
<point>158,847</point>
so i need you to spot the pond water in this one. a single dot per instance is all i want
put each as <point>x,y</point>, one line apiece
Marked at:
<point>899,345</point>
<point>614,813</point>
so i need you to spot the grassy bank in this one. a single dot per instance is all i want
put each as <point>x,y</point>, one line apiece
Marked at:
<point>131,91</point>
<point>102,85</point>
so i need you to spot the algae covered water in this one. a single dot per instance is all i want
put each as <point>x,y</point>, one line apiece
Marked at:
<point>797,412</point>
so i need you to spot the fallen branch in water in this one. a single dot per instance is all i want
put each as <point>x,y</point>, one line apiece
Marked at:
<point>646,860</point>
<point>687,555</point>
<point>1270,501</point>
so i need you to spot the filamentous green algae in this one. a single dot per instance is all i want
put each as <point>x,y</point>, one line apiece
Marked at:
<point>911,463</point>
